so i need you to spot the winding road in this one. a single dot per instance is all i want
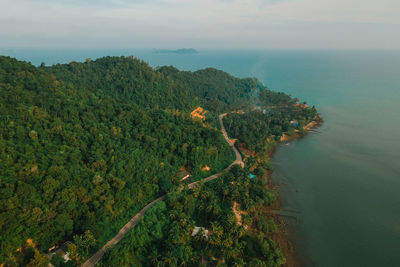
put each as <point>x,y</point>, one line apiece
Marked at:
<point>135,219</point>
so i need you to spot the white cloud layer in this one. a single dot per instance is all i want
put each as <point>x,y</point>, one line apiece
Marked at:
<point>260,24</point>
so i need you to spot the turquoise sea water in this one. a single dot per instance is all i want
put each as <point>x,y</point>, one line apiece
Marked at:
<point>344,178</point>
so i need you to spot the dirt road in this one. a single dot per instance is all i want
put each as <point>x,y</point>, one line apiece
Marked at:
<point>127,227</point>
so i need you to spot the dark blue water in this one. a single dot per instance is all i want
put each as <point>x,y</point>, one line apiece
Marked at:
<point>344,179</point>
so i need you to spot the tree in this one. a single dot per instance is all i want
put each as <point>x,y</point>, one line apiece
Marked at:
<point>39,260</point>
<point>84,242</point>
<point>74,252</point>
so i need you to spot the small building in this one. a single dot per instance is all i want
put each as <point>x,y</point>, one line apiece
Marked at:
<point>206,168</point>
<point>61,251</point>
<point>294,123</point>
<point>197,229</point>
<point>198,113</point>
<point>252,176</point>
<point>302,106</point>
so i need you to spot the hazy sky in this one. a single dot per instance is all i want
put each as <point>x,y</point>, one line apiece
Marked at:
<point>260,24</point>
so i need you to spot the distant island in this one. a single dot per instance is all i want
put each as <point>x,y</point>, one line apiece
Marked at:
<point>176,51</point>
<point>6,50</point>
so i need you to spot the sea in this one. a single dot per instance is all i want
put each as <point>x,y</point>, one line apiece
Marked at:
<point>342,181</point>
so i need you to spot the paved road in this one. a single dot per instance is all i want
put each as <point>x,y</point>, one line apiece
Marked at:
<point>124,230</point>
<point>135,219</point>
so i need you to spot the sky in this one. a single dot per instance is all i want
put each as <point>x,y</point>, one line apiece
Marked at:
<point>201,24</point>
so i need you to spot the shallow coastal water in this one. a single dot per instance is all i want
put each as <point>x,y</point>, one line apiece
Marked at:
<point>344,178</point>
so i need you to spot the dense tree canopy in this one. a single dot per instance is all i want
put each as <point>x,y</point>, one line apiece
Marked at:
<point>165,232</point>
<point>84,146</point>
<point>70,155</point>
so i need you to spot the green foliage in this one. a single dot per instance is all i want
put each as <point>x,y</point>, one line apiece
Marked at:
<point>267,226</point>
<point>260,171</point>
<point>209,205</point>
<point>271,98</point>
<point>266,163</point>
<point>84,146</point>
<point>131,79</point>
<point>57,261</point>
<point>39,260</point>
<point>84,243</point>
<point>257,128</point>
<point>214,89</point>
<point>263,252</point>
<point>251,128</point>
<point>126,79</point>
<point>138,247</point>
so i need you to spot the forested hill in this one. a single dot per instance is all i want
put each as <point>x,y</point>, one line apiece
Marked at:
<point>130,79</point>
<point>83,146</point>
<point>216,90</point>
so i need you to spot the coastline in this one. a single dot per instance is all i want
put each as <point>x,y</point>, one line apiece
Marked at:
<point>284,220</point>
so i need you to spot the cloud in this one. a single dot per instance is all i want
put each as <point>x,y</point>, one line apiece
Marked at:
<point>206,23</point>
